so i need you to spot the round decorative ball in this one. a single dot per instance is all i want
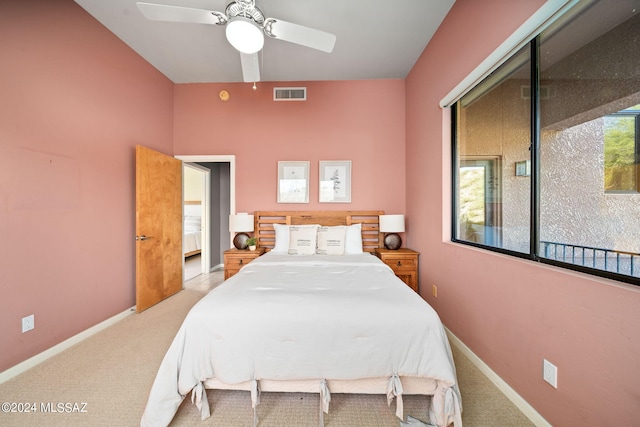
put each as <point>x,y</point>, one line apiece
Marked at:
<point>392,241</point>
<point>240,241</point>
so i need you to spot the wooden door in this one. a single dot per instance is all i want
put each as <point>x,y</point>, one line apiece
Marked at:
<point>158,227</point>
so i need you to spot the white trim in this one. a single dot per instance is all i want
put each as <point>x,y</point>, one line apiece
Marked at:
<point>540,20</point>
<point>510,393</point>
<point>205,264</point>
<point>206,216</point>
<point>64,345</point>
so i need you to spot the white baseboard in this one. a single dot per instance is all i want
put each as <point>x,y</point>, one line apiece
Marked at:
<point>511,394</point>
<point>216,268</point>
<point>59,348</point>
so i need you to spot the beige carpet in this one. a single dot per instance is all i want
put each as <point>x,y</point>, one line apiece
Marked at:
<point>112,372</point>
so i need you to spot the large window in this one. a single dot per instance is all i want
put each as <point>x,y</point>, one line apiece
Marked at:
<point>493,135</point>
<point>545,149</point>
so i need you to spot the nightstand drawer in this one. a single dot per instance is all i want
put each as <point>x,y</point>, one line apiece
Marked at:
<point>402,264</point>
<point>236,263</point>
<point>235,259</point>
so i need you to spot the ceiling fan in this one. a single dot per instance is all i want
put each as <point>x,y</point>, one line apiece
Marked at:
<point>245,25</point>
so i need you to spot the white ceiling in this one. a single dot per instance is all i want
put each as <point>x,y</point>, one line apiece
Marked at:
<point>376,39</point>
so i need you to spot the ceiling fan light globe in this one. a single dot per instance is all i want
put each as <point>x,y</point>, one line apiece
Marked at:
<point>244,35</point>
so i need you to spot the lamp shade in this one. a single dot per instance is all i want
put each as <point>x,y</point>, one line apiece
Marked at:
<point>244,35</point>
<point>240,222</point>
<point>392,223</point>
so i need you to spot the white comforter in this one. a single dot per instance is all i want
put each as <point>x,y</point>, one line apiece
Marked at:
<point>320,317</point>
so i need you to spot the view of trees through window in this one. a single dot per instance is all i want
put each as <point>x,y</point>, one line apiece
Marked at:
<point>472,196</point>
<point>621,150</point>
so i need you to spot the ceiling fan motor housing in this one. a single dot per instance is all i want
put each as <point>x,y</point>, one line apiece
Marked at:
<point>245,9</point>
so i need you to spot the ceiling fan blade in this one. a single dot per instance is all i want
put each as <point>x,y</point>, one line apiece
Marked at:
<point>299,34</point>
<point>250,67</point>
<point>162,12</point>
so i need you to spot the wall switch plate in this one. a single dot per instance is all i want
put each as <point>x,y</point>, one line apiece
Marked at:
<point>550,373</point>
<point>28,323</point>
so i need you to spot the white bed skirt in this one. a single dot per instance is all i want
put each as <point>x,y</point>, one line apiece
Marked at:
<point>410,385</point>
<point>395,387</point>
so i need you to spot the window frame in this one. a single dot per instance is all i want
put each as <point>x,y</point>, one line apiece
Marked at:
<point>534,229</point>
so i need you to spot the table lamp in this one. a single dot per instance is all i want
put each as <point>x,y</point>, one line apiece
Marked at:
<point>241,224</point>
<point>392,225</point>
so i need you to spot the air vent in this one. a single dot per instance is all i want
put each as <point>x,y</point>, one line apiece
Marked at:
<point>289,93</point>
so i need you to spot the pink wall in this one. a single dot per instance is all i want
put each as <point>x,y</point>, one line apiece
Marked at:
<point>361,121</point>
<point>512,313</point>
<point>75,101</point>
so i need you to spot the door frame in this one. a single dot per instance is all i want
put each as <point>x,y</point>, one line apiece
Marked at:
<point>204,158</point>
<point>205,204</point>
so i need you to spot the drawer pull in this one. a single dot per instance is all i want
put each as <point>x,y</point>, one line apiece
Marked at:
<point>399,264</point>
<point>241,261</point>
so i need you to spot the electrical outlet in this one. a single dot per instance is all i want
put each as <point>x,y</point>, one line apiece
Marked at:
<point>550,373</point>
<point>434,291</point>
<point>28,323</point>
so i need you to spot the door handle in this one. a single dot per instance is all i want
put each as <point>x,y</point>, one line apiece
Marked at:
<point>143,237</point>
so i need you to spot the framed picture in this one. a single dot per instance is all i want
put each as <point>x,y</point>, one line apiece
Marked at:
<point>293,182</point>
<point>335,181</point>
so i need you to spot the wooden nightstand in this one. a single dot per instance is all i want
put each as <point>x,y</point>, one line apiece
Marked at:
<point>403,262</point>
<point>235,259</point>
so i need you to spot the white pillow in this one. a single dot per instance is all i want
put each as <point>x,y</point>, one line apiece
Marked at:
<point>353,239</point>
<point>302,240</point>
<point>281,244</point>
<point>331,240</point>
<point>282,238</point>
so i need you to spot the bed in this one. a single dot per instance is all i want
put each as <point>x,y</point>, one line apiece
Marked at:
<point>332,320</point>
<point>192,229</point>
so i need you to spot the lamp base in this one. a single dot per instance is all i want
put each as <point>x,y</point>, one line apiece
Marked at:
<point>392,241</point>
<point>240,241</point>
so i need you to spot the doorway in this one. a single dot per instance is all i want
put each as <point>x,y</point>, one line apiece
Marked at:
<point>195,225</point>
<point>217,203</point>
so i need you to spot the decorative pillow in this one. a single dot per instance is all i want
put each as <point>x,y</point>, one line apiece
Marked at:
<point>281,244</point>
<point>282,239</point>
<point>302,240</point>
<point>331,240</point>
<point>353,239</point>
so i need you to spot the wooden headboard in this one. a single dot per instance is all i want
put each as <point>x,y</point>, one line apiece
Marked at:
<point>371,236</point>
